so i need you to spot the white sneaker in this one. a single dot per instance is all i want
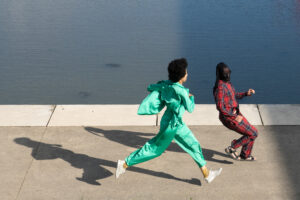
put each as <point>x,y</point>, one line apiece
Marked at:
<point>120,168</point>
<point>213,174</point>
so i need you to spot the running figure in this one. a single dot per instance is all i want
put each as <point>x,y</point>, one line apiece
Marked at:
<point>230,115</point>
<point>177,99</point>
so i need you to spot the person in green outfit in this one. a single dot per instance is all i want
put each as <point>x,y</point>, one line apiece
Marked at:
<point>172,94</point>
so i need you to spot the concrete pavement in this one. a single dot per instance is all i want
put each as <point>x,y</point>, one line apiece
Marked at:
<point>80,162</point>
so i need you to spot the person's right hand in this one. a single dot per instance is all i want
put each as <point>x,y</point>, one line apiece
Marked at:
<point>250,92</point>
<point>190,95</point>
<point>239,118</point>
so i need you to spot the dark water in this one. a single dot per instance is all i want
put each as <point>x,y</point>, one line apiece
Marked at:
<point>107,52</point>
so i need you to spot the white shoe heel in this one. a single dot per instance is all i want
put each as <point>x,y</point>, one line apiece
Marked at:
<point>212,175</point>
<point>120,168</point>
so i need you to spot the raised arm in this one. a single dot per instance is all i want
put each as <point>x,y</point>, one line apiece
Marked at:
<point>240,95</point>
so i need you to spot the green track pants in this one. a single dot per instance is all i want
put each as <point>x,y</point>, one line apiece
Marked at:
<point>157,145</point>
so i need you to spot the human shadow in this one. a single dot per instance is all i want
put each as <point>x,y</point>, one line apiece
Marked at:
<point>138,139</point>
<point>93,169</point>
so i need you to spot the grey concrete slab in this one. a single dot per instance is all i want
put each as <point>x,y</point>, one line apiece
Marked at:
<point>25,115</point>
<point>207,114</point>
<point>79,163</point>
<point>203,114</point>
<point>15,159</point>
<point>250,111</point>
<point>280,114</point>
<point>99,115</point>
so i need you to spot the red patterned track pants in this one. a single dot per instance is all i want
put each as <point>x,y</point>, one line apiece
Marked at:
<point>244,128</point>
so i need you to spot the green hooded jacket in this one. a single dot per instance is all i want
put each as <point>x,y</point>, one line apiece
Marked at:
<point>172,95</point>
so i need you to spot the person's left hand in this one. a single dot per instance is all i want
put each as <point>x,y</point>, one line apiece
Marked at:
<point>250,92</point>
<point>239,118</point>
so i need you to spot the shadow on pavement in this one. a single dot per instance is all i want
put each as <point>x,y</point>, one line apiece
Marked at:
<point>138,139</point>
<point>92,167</point>
<point>287,139</point>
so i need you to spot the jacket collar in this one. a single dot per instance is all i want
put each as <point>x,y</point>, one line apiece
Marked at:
<point>221,81</point>
<point>178,84</point>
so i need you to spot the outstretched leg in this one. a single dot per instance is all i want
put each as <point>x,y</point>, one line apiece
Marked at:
<point>187,141</point>
<point>153,148</point>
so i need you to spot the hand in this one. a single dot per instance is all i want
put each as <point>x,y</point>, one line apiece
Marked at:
<point>190,95</point>
<point>239,118</point>
<point>250,92</point>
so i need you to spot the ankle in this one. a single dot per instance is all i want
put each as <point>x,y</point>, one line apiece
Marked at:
<point>231,147</point>
<point>205,171</point>
<point>125,165</point>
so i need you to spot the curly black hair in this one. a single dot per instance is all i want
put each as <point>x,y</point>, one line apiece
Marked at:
<point>177,69</point>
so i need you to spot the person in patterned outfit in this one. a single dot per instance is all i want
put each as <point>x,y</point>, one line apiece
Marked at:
<point>230,115</point>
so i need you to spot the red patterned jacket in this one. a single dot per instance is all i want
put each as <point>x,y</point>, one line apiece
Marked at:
<point>225,98</point>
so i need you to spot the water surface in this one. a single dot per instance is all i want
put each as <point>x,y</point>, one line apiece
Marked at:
<point>107,52</point>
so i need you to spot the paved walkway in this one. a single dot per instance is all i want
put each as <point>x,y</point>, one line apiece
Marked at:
<point>70,163</point>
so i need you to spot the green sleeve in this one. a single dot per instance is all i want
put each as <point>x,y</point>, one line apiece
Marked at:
<point>188,102</point>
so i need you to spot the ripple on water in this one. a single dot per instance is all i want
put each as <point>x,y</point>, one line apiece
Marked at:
<point>113,65</point>
<point>84,94</point>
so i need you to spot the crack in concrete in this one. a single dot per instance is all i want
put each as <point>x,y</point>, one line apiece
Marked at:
<point>30,164</point>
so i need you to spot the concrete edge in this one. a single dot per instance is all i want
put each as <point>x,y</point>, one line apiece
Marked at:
<point>125,115</point>
<point>25,115</point>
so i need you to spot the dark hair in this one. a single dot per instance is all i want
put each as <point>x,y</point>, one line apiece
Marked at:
<point>221,75</point>
<point>177,69</point>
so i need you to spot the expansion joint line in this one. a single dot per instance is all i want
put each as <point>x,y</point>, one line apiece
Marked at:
<point>51,115</point>
<point>30,164</point>
<point>262,122</point>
